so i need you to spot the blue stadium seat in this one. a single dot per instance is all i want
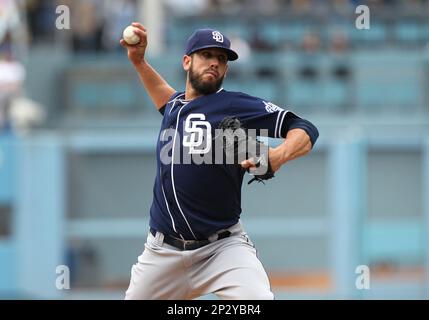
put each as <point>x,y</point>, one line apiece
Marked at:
<point>304,94</point>
<point>376,35</point>
<point>388,79</point>
<point>260,88</point>
<point>393,241</point>
<point>304,80</point>
<point>294,32</point>
<point>424,32</point>
<point>407,32</point>
<point>273,32</point>
<point>335,93</point>
<point>100,95</point>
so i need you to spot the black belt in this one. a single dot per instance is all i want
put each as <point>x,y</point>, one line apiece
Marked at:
<point>189,245</point>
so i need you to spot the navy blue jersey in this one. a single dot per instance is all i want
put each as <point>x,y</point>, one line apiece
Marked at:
<point>194,200</point>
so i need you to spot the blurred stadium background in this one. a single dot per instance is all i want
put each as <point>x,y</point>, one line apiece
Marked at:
<point>78,132</point>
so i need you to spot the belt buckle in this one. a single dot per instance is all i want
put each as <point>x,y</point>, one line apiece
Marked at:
<point>187,243</point>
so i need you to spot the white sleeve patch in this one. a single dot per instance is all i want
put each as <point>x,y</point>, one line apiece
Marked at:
<point>271,107</point>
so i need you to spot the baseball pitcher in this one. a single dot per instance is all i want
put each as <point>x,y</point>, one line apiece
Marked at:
<point>196,244</point>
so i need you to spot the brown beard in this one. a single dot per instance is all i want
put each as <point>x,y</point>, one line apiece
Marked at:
<point>200,85</point>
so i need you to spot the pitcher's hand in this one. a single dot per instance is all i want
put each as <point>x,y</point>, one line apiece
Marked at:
<point>136,53</point>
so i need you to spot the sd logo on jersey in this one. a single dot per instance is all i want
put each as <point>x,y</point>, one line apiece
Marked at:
<point>197,134</point>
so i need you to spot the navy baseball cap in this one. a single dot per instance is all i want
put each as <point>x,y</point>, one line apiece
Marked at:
<point>209,38</point>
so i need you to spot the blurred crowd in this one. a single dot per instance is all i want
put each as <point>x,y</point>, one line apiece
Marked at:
<point>12,72</point>
<point>276,7</point>
<point>96,26</point>
<point>17,112</point>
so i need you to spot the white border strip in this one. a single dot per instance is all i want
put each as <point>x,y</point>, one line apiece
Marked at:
<point>281,124</point>
<point>163,192</point>
<point>277,123</point>
<point>175,100</point>
<point>172,172</point>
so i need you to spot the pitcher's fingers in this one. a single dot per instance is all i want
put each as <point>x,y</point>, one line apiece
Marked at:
<point>247,164</point>
<point>142,34</point>
<point>124,44</point>
<point>139,26</point>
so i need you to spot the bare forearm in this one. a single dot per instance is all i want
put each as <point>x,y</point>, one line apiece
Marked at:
<point>296,144</point>
<point>156,86</point>
<point>158,89</point>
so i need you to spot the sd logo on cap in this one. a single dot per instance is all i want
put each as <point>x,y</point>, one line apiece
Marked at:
<point>209,38</point>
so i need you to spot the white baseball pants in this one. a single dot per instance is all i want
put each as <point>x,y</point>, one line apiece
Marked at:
<point>227,267</point>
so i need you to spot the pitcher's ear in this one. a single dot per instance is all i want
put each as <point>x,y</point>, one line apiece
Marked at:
<point>186,62</point>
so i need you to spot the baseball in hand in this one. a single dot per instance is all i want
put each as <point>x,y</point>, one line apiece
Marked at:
<point>129,36</point>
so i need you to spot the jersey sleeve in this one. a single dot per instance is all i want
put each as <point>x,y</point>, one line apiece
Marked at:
<point>256,113</point>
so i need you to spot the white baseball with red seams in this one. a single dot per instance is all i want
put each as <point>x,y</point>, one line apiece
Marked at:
<point>129,36</point>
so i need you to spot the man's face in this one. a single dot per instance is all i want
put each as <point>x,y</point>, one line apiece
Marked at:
<point>206,69</point>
